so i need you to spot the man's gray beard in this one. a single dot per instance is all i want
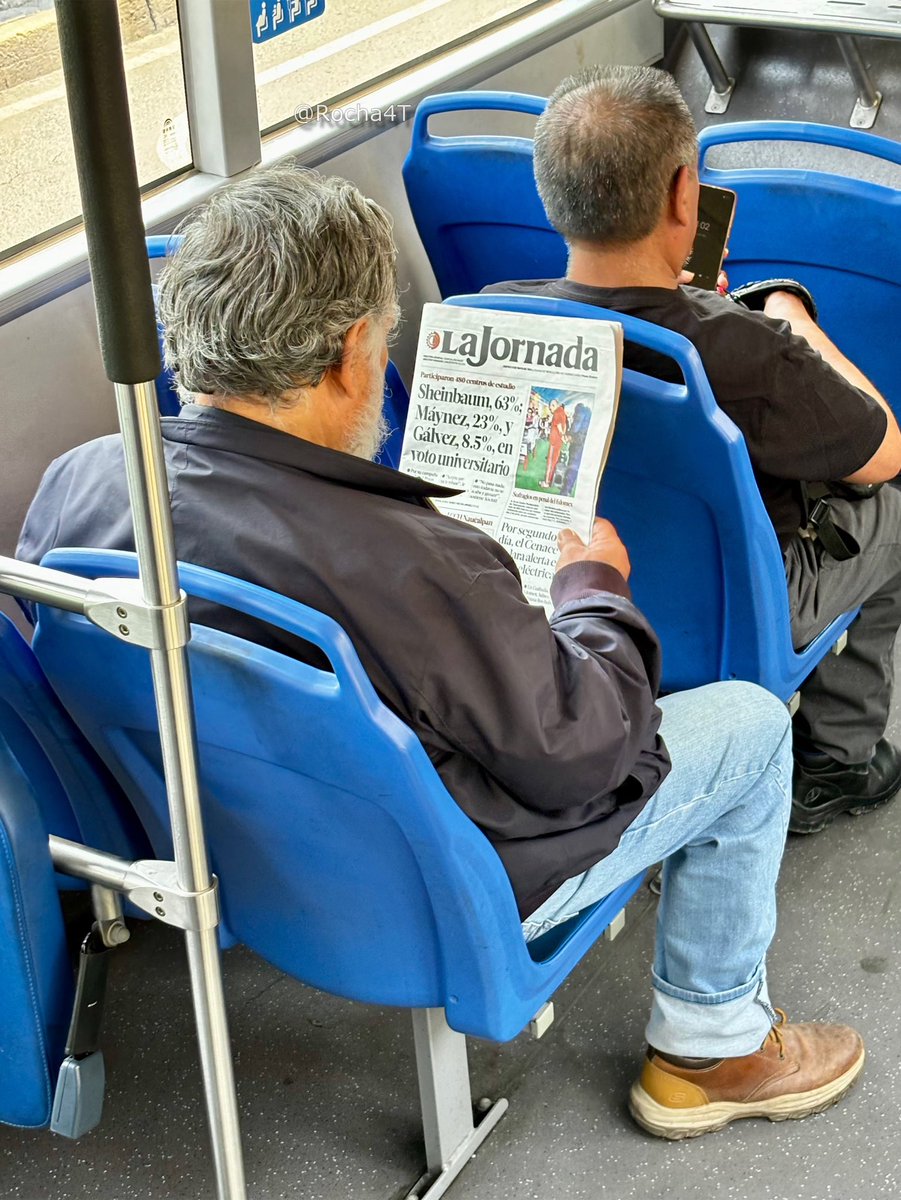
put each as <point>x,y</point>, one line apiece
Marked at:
<point>371,431</point>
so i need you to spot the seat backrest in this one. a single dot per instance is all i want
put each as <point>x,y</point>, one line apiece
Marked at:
<point>161,246</point>
<point>37,992</point>
<point>837,234</point>
<point>76,795</point>
<point>474,200</point>
<point>706,565</point>
<point>341,857</point>
<point>397,402</point>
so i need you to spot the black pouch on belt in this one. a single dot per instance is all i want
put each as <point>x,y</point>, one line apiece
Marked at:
<point>820,522</point>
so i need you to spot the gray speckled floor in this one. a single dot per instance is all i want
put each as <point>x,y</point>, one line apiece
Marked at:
<point>327,1088</point>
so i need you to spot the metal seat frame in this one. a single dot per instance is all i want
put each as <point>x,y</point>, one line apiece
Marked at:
<point>863,18</point>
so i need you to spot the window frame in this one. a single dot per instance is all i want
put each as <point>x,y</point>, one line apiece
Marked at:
<point>220,86</point>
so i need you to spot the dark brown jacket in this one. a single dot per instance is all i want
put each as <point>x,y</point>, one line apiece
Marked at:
<point>544,733</point>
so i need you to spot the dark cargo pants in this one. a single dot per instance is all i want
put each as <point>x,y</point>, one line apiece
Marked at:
<point>845,702</point>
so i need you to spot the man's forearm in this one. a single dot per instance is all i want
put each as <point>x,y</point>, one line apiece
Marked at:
<point>786,307</point>
<point>885,463</point>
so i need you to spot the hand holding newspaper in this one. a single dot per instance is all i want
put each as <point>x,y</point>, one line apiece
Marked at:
<point>516,411</point>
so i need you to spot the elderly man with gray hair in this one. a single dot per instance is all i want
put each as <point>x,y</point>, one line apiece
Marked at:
<point>616,160</point>
<point>278,308</point>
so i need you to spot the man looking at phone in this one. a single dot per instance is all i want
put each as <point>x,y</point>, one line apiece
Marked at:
<point>616,165</point>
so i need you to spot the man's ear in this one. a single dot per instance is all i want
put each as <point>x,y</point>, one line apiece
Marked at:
<point>354,352</point>
<point>684,197</point>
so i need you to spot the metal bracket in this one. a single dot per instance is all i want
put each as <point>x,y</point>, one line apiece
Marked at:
<point>153,887</point>
<point>118,606</point>
<point>869,99</point>
<point>840,643</point>
<point>542,1021</point>
<point>718,102</point>
<point>863,115</point>
<point>616,926</point>
<point>451,1138</point>
<point>107,907</point>
<point>149,884</point>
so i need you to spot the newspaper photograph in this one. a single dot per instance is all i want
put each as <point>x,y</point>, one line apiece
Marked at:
<point>517,412</point>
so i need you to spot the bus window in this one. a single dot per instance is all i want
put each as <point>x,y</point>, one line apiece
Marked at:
<point>39,188</point>
<point>329,58</point>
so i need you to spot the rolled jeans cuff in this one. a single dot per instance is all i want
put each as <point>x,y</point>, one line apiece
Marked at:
<point>712,1024</point>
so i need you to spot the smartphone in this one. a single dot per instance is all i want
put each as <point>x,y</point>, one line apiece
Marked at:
<point>716,208</point>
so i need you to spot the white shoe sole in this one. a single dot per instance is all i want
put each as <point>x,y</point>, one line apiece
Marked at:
<point>676,1123</point>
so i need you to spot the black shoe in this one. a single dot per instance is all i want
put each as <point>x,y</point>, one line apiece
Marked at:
<point>819,794</point>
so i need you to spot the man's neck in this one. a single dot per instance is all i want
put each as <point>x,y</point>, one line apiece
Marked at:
<point>643,264</point>
<point>310,416</point>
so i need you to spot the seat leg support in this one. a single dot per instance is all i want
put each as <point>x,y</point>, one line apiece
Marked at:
<point>868,98</point>
<point>722,86</point>
<point>451,1137</point>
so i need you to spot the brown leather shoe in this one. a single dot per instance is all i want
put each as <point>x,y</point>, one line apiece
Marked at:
<point>799,1070</point>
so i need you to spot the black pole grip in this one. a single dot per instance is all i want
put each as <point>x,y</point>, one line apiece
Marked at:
<point>94,70</point>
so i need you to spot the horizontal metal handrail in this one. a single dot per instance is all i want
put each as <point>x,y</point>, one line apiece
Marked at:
<point>42,585</point>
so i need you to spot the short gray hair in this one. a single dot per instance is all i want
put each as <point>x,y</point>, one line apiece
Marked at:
<point>606,150</point>
<point>271,275</point>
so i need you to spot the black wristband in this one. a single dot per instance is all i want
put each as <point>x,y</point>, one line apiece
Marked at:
<point>753,295</point>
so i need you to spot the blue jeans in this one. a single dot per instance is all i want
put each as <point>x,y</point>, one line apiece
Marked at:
<point>718,822</point>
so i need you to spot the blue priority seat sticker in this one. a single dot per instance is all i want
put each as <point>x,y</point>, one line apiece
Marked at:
<point>269,18</point>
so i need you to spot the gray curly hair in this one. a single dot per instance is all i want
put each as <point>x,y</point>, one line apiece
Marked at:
<point>272,273</point>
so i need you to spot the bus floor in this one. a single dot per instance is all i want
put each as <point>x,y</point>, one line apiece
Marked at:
<point>328,1094</point>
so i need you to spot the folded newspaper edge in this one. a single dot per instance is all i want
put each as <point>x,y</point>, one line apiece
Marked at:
<point>516,411</point>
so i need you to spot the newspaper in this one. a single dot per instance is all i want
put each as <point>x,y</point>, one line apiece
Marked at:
<point>516,411</point>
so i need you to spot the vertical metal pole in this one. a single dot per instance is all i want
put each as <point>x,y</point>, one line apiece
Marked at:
<point>713,64</point>
<point>93,65</point>
<point>149,494</point>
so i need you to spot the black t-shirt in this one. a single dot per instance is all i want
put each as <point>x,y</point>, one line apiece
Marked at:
<point>801,421</point>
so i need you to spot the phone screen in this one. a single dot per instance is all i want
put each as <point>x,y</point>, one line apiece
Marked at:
<point>716,207</point>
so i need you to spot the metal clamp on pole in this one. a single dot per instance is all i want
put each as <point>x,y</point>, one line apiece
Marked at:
<point>118,606</point>
<point>153,887</point>
<point>150,884</point>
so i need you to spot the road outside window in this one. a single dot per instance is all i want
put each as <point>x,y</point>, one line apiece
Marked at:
<point>38,184</point>
<point>353,45</point>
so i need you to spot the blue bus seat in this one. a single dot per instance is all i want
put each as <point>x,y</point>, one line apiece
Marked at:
<point>37,989</point>
<point>75,794</point>
<point>838,235</point>
<point>397,402</point>
<point>706,565</point>
<point>474,200</point>
<point>341,858</point>
<point>480,220</point>
<point>162,246</point>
